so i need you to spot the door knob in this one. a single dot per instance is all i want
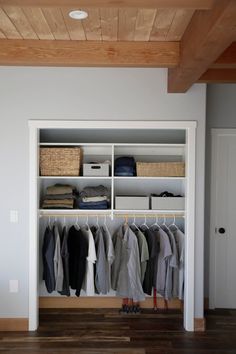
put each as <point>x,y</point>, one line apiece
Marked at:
<point>221,230</point>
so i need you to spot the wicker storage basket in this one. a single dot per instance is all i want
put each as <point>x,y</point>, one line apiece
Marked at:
<point>160,169</point>
<point>60,161</point>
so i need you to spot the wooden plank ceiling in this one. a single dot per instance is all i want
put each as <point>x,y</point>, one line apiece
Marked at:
<point>102,24</point>
<point>190,37</point>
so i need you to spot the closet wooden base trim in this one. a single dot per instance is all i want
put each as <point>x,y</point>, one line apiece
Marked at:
<point>99,302</point>
<point>199,324</point>
<point>13,324</point>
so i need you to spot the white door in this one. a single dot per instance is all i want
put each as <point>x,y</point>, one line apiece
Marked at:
<point>223,219</point>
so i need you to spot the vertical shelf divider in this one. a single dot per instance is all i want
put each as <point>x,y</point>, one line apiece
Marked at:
<point>112,182</point>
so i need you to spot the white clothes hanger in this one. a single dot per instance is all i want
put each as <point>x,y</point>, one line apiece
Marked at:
<point>134,224</point>
<point>145,222</point>
<point>156,222</point>
<point>87,222</point>
<point>97,224</point>
<point>77,223</point>
<point>164,221</point>
<point>173,223</point>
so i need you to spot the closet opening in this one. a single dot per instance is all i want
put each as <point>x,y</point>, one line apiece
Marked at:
<point>112,216</point>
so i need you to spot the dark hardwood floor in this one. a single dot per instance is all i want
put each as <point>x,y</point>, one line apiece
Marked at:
<point>106,331</point>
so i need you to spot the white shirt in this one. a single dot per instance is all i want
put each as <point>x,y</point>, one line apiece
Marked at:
<point>88,285</point>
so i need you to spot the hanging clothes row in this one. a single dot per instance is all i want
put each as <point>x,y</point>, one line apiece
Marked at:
<point>133,262</point>
<point>77,258</point>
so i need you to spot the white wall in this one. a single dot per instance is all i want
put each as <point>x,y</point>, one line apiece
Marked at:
<point>221,113</point>
<point>78,93</point>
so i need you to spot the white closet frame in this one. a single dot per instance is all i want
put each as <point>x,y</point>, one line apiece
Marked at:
<point>188,126</point>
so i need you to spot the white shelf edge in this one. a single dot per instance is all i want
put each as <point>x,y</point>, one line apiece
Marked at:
<point>149,178</point>
<point>74,211</point>
<point>76,144</point>
<point>148,211</point>
<point>115,144</point>
<point>74,177</point>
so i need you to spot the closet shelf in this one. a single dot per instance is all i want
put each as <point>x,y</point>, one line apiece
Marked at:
<point>148,211</point>
<point>149,178</point>
<point>74,211</point>
<point>113,144</point>
<point>95,212</point>
<point>74,177</point>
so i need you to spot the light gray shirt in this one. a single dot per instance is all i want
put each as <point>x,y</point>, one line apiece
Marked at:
<point>126,271</point>
<point>58,265</point>
<point>172,263</point>
<point>179,273</point>
<point>101,282</point>
<point>110,254</point>
<point>162,261</point>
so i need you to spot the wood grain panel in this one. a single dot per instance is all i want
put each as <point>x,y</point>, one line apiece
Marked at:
<point>20,21</point>
<point>179,24</point>
<point>92,25</point>
<point>37,20</point>
<point>56,23</point>
<point>109,24</point>
<point>208,35</point>
<point>7,27</point>
<point>13,324</point>
<point>96,302</point>
<point>192,4</point>
<point>2,35</point>
<point>127,22</point>
<point>199,324</point>
<point>218,76</point>
<point>144,24</point>
<point>74,28</point>
<point>162,24</point>
<point>227,59</point>
<point>89,53</point>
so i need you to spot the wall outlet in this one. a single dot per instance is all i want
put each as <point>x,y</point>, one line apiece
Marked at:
<point>13,286</point>
<point>14,216</point>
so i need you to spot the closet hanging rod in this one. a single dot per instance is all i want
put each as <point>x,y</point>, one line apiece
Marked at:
<point>129,215</point>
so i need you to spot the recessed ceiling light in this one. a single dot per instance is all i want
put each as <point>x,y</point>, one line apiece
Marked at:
<point>78,14</point>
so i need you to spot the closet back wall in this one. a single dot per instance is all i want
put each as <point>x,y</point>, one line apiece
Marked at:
<point>78,93</point>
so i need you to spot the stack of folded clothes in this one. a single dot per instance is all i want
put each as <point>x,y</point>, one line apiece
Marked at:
<point>94,198</point>
<point>125,166</point>
<point>59,196</point>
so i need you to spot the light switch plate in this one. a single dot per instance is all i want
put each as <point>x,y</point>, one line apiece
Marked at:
<point>14,216</point>
<point>13,286</point>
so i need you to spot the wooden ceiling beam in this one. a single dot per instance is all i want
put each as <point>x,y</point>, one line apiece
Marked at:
<point>218,76</point>
<point>89,53</point>
<point>207,36</point>
<point>226,60</point>
<point>188,4</point>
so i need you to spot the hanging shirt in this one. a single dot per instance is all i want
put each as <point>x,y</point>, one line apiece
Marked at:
<point>162,262</point>
<point>65,262</point>
<point>143,250</point>
<point>78,252</point>
<point>172,263</point>
<point>88,284</point>
<point>153,249</point>
<point>101,266</point>
<point>58,266</point>
<point>126,272</point>
<point>48,259</point>
<point>179,273</point>
<point>110,254</point>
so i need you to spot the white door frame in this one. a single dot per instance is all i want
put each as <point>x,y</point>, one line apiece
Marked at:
<point>189,127</point>
<point>215,133</point>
